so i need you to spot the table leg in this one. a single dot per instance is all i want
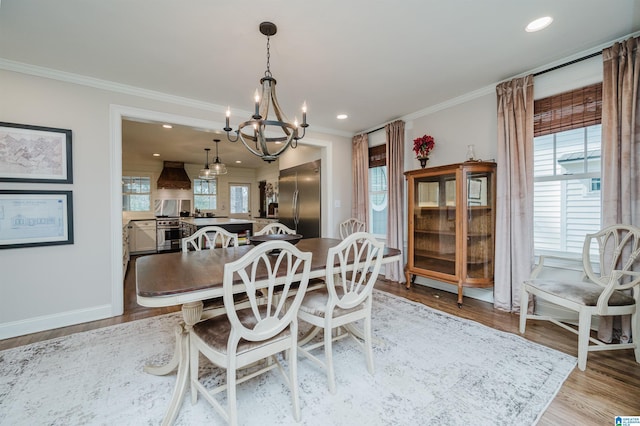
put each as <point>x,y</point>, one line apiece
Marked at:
<point>191,313</point>
<point>172,365</point>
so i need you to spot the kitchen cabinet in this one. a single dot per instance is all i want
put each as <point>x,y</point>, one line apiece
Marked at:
<point>452,224</point>
<point>142,236</point>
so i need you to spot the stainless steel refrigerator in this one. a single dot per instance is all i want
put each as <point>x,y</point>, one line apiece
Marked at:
<point>299,199</point>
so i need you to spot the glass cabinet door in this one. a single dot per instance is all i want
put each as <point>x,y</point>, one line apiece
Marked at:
<point>434,219</point>
<point>480,224</point>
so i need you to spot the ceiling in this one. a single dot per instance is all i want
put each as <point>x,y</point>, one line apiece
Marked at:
<point>375,61</point>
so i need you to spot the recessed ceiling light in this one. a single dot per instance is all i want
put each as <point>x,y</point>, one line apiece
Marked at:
<point>238,161</point>
<point>155,154</point>
<point>539,24</point>
<point>167,126</point>
<point>342,116</point>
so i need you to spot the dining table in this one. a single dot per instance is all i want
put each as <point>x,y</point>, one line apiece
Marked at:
<point>189,278</point>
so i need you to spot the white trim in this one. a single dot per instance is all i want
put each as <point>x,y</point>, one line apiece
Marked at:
<point>115,150</point>
<point>119,112</point>
<point>49,322</point>
<point>134,91</point>
<point>483,91</point>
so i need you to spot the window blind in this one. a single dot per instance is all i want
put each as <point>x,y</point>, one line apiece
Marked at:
<point>377,156</point>
<point>567,111</point>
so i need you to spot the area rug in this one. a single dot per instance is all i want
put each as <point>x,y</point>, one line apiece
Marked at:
<point>431,368</point>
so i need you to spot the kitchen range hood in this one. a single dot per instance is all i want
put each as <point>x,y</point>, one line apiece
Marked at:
<point>174,176</point>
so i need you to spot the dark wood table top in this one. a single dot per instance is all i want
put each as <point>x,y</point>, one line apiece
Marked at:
<point>175,278</point>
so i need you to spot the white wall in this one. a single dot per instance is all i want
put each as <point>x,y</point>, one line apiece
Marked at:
<point>471,122</point>
<point>48,287</point>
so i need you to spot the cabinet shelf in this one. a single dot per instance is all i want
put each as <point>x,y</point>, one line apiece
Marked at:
<point>451,233</point>
<point>442,199</point>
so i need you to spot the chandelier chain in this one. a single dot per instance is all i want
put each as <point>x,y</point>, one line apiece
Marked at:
<point>267,73</point>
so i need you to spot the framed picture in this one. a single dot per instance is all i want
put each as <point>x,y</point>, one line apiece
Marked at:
<point>474,189</point>
<point>35,218</point>
<point>35,154</point>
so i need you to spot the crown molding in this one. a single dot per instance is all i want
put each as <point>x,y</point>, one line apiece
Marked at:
<point>491,88</point>
<point>111,86</point>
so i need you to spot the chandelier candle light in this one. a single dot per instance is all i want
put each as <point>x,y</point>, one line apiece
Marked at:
<point>256,140</point>
<point>422,146</point>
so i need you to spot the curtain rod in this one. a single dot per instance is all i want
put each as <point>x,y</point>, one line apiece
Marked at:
<point>568,63</point>
<point>374,130</point>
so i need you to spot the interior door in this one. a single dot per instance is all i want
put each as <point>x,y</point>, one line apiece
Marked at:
<point>240,200</point>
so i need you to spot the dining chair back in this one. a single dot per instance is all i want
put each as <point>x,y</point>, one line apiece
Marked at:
<point>346,298</point>
<point>610,270</point>
<point>350,226</point>
<point>275,228</point>
<point>212,237</point>
<point>259,332</point>
<point>209,237</point>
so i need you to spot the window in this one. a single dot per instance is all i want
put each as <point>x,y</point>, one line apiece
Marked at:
<point>239,198</point>
<point>136,193</point>
<point>205,194</point>
<point>378,196</point>
<point>567,202</point>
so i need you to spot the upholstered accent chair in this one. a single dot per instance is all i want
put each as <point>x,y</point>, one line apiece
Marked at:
<point>610,285</point>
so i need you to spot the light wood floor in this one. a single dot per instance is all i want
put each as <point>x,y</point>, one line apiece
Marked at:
<point>609,387</point>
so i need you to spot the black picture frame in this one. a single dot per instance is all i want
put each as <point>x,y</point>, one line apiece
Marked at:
<point>35,154</point>
<point>35,218</point>
<point>474,189</point>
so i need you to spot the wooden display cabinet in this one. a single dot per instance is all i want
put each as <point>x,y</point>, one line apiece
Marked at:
<point>452,224</point>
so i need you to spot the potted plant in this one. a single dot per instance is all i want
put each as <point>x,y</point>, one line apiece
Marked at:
<point>422,146</point>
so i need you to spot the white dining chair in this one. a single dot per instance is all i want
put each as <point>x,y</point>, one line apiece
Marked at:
<point>212,237</point>
<point>209,237</point>
<point>275,228</point>
<point>350,226</point>
<point>258,333</point>
<point>346,298</point>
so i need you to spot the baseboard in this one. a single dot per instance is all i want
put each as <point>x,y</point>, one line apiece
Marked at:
<point>49,322</point>
<point>484,294</point>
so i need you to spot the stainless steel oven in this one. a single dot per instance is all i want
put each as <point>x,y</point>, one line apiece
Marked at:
<point>168,232</point>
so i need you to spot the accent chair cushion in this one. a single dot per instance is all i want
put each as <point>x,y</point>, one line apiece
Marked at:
<point>583,293</point>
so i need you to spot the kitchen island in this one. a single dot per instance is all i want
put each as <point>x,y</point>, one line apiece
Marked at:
<point>242,227</point>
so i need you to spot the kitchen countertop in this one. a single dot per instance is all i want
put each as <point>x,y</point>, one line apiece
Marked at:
<point>213,221</point>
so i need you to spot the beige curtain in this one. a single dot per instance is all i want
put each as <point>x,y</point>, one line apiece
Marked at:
<point>395,222</point>
<point>360,161</point>
<point>620,149</point>
<point>514,202</point>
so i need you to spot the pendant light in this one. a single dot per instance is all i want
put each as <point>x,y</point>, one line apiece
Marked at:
<point>218,168</point>
<point>206,173</point>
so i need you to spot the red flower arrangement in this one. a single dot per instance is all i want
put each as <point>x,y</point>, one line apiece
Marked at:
<point>423,145</point>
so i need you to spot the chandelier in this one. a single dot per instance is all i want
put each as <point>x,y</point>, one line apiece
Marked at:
<point>255,133</point>
<point>217,168</point>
